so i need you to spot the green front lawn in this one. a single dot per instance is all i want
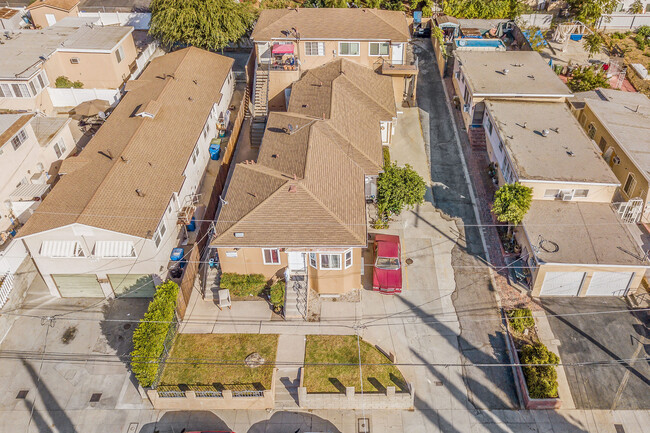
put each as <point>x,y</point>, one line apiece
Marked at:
<point>185,366</point>
<point>343,349</point>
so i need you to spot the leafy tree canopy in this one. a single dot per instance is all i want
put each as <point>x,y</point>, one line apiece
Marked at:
<point>586,79</point>
<point>483,9</point>
<point>397,188</point>
<point>208,24</point>
<point>636,7</point>
<point>593,44</point>
<point>588,11</point>
<point>511,202</point>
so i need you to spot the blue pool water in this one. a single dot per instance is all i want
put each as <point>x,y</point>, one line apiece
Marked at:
<point>471,42</point>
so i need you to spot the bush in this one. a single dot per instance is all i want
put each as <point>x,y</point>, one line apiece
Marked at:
<point>397,188</point>
<point>65,83</point>
<point>520,319</point>
<point>586,79</point>
<point>386,153</point>
<point>277,295</point>
<point>149,337</point>
<point>243,284</point>
<point>618,35</point>
<point>643,31</point>
<point>542,379</point>
<point>640,41</point>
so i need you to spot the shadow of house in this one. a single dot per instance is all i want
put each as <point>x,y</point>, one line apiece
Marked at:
<point>176,421</point>
<point>60,420</point>
<point>294,422</point>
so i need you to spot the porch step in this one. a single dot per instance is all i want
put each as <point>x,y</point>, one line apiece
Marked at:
<point>477,138</point>
<point>295,298</point>
<point>258,126</point>
<point>286,389</point>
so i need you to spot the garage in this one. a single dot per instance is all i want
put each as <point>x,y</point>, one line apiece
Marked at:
<point>562,283</point>
<point>132,285</point>
<point>78,285</point>
<point>609,283</point>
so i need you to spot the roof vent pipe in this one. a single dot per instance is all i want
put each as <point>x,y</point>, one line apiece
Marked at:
<point>545,132</point>
<point>505,71</point>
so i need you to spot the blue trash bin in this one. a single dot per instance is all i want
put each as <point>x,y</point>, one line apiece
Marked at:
<point>191,226</point>
<point>177,254</point>
<point>215,151</point>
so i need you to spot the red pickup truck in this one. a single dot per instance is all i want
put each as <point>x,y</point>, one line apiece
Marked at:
<point>387,272</point>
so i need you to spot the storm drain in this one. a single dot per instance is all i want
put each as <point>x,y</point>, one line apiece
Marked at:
<point>438,383</point>
<point>22,394</point>
<point>95,397</point>
<point>619,428</point>
<point>363,425</point>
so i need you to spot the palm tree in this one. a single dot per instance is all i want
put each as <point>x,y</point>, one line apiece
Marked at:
<point>593,44</point>
<point>636,7</point>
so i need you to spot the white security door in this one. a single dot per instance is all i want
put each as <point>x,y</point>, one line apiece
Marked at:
<point>296,261</point>
<point>51,19</point>
<point>609,283</point>
<point>78,285</point>
<point>398,54</point>
<point>562,283</point>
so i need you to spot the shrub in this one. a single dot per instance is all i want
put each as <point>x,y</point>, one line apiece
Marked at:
<point>63,82</point>
<point>618,35</point>
<point>643,31</point>
<point>640,41</point>
<point>277,295</point>
<point>541,379</point>
<point>149,336</point>
<point>243,284</point>
<point>586,79</point>
<point>397,188</point>
<point>386,153</point>
<point>520,319</point>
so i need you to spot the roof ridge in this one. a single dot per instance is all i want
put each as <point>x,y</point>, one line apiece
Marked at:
<point>126,146</point>
<point>339,134</point>
<point>374,12</point>
<point>362,91</point>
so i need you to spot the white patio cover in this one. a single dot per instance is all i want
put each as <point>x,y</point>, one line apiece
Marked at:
<point>114,249</point>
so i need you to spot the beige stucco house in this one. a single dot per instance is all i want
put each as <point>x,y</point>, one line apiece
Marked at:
<point>289,42</point>
<point>299,208</point>
<point>45,13</point>
<point>503,75</point>
<point>29,147</point>
<point>572,242</point>
<point>100,57</point>
<point>109,225</point>
<point>619,123</point>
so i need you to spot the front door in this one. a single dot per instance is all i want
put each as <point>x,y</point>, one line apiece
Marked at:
<point>479,109</point>
<point>296,261</point>
<point>398,54</point>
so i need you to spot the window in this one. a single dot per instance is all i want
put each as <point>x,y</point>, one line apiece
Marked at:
<point>119,54</point>
<point>501,146</point>
<point>312,260</point>
<point>20,90</point>
<point>33,87</point>
<point>591,131</point>
<point>160,232</point>
<point>195,154</point>
<point>580,193</point>
<point>330,261</point>
<point>59,148</point>
<point>61,249</point>
<point>314,48</point>
<point>630,183</point>
<point>19,139</point>
<point>582,118</point>
<point>488,124</point>
<point>42,80</point>
<point>114,249</point>
<point>5,91</point>
<point>602,143</point>
<point>379,48</point>
<point>349,48</point>
<point>271,256</point>
<point>551,193</point>
<point>348,259</point>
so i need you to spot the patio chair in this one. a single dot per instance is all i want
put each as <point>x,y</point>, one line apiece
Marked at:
<point>224,299</point>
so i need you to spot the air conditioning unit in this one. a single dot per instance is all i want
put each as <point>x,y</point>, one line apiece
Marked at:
<point>616,160</point>
<point>566,196</point>
<point>466,108</point>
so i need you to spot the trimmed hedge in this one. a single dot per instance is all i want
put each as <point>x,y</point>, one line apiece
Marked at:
<point>540,379</point>
<point>149,336</point>
<point>243,284</point>
<point>520,319</point>
<point>277,295</point>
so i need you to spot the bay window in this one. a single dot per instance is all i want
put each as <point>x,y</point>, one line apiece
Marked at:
<point>330,261</point>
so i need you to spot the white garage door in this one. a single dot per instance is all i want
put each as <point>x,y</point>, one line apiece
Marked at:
<point>78,285</point>
<point>562,283</point>
<point>609,283</point>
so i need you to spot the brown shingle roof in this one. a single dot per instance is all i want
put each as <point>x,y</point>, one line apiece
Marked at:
<point>18,122</point>
<point>332,23</point>
<point>64,5</point>
<point>320,149</point>
<point>101,191</point>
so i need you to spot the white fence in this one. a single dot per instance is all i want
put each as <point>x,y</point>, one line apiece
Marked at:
<point>6,286</point>
<point>74,97</point>
<point>139,20</point>
<point>10,260</point>
<point>542,21</point>
<point>622,21</point>
<point>143,59</point>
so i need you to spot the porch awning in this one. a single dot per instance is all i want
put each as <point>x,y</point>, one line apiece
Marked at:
<point>282,49</point>
<point>114,249</point>
<point>58,248</point>
<point>29,191</point>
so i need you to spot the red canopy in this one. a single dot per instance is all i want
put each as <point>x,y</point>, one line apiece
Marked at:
<point>282,49</point>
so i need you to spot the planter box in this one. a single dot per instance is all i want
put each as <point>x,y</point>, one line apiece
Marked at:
<point>520,381</point>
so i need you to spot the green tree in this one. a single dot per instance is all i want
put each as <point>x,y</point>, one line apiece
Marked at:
<point>149,337</point>
<point>208,24</point>
<point>586,79</point>
<point>540,379</point>
<point>511,202</point>
<point>483,9</point>
<point>279,4</point>
<point>636,7</point>
<point>589,11</point>
<point>593,44</point>
<point>397,188</point>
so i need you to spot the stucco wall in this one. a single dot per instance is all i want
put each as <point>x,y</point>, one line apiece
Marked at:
<point>94,70</point>
<point>38,15</point>
<point>278,81</point>
<point>250,261</point>
<point>227,401</point>
<point>327,281</point>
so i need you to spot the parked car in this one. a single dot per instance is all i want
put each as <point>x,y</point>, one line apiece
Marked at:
<point>422,32</point>
<point>387,271</point>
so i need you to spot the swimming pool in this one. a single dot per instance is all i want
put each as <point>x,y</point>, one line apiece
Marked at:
<point>487,44</point>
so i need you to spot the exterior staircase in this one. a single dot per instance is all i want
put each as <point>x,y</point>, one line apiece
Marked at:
<point>477,138</point>
<point>295,296</point>
<point>260,106</point>
<point>212,279</point>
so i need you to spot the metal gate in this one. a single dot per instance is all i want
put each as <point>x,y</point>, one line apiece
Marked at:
<point>630,211</point>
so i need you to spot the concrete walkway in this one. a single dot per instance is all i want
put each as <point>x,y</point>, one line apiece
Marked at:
<point>291,349</point>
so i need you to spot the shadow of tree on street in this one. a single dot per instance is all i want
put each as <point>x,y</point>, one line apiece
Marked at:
<point>176,421</point>
<point>294,422</point>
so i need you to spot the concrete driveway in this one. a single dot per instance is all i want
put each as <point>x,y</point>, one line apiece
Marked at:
<point>602,337</point>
